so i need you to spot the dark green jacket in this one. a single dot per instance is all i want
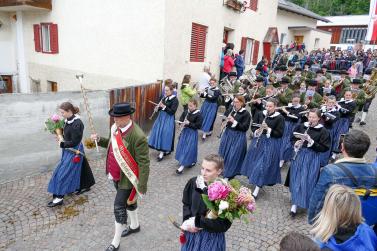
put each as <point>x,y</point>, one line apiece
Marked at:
<point>315,102</point>
<point>137,144</point>
<point>285,97</point>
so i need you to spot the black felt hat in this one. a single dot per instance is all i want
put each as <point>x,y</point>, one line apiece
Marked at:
<point>121,109</point>
<point>356,81</point>
<point>232,74</point>
<point>313,82</point>
<point>285,80</point>
<point>259,79</point>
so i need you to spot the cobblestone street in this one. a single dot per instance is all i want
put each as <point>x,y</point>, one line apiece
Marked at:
<point>86,222</point>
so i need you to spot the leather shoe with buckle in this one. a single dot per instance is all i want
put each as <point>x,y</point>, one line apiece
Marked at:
<point>112,248</point>
<point>129,231</point>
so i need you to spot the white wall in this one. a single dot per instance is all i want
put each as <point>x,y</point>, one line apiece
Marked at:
<point>116,39</point>
<point>7,45</point>
<point>324,39</point>
<point>179,18</point>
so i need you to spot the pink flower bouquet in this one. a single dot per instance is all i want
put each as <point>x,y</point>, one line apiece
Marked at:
<point>228,200</point>
<point>55,125</point>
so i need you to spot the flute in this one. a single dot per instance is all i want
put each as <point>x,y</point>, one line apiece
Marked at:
<point>297,149</point>
<point>259,132</point>
<point>155,108</point>
<point>224,123</point>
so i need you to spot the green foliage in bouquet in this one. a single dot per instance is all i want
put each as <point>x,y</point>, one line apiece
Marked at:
<point>53,123</point>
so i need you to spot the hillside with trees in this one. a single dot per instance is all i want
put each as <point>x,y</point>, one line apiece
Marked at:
<point>335,7</point>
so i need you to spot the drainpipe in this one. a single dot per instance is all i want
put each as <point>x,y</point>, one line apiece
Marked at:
<point>24,83</point>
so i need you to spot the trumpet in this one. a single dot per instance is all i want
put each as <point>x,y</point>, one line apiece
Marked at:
<point>155,109</point>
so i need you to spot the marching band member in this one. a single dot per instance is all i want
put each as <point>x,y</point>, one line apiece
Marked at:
<point>261,163</point>
<point>292,117</point>
<point>305,165</point>
<point>67,177</point>
<point>284,93</point>
<point>233,143</point>
<point>297,79</point>
<point>187,148</point>
<point>330,115</point>
<point>370,90</point>
<point>242,91</point>
<point>346,107</point>
<point>127,164</point>
<point>358,95</point>
<point>163,130</point>
<point>311,98</point>
<point>326,89</point>
<point>187,92</point>
<point>209,107</point>
<point>342,83</point>
<point>203,233</point>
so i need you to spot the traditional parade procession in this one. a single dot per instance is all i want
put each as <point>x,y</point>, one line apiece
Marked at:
<point>265,153</point>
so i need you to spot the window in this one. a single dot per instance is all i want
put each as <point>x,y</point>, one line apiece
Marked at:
<point>198,42</point>
<point>247,46</point>
<point>46,38</point>
<point>352,35</point>
<point>282,38</point>
<point>253,5</point>
<point>52,86</point>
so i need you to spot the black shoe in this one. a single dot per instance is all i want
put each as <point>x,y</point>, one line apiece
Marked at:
<point>112,248</point>
<point>292,214</point>
<point>167,153</point>
<point>362,123</point>
<point>178,172</point>
<point>192,165</point>
<point>203,139</point>
<point>81,191</point>
<point>52,204</point>
<point>159,158</point>
<point>129,231</point>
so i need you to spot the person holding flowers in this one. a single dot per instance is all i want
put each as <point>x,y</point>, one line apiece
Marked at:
<point>209,206</point>
<point>67,176</point>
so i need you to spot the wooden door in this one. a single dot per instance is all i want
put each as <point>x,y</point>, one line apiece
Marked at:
<point>299,39</point>
<point>7,81</point>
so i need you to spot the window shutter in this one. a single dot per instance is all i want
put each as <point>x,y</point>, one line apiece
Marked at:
<point>243,43</point>
<point>255,52</point>
<point>37,37</point>
<point>254,5</point>
<point>54,44</point>
<point>198,42</point>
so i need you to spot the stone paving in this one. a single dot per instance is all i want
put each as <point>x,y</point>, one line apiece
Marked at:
<point>86,222</point>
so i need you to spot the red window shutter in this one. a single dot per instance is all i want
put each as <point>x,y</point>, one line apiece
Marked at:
<point>37,37</point>
<point>198,42</point>
<point>253,5</point>
<point>255,52</point>
<point>54,44</point>
<point>243,43</point>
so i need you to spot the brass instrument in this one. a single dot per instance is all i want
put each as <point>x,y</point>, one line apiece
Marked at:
<point>225,85</point>
<point>155,110</point>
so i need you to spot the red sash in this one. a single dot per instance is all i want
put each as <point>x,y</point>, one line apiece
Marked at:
<point>129,160</point>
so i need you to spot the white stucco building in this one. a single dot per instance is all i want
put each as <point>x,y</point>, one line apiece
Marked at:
<point>45,43</point>
<point>298,24</point>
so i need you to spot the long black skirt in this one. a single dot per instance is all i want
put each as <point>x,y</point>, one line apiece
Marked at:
<point>86,178</point>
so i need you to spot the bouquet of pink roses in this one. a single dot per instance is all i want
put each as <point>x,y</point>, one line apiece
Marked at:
<point>228,200</point>
<point>55,125</point>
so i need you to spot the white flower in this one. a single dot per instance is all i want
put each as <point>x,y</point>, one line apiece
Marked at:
<point>223,205</point>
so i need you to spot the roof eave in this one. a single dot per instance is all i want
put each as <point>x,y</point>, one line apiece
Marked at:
<point>282,7</point>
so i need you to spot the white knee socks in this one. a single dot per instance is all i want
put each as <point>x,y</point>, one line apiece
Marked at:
<point>161,155</point>
<point>294,208</point>
<point>363,116</point>
<point>180,169</point>
<point>133,218</point>
<point>118,233</point>
<point>256,191</point>
<point>281,163</point>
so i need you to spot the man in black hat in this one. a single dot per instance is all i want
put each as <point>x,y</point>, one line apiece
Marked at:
<point>342,83</point>
<point>234,81</point>
<point>127,164</point>
<point>284,93</point>
<point>311,98</point>
<point>325,73</point>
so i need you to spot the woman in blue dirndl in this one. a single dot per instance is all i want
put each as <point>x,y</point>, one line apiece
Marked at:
<point>261,163</point>
<point>233,143</point>
<point>163,130</point>
<point>66,177</point>
<point>305,165</point>
<point>209,107</point>
<point>187,148</point>
<point>346,107</point>
<point>330,115</point>
<point>200,231</point>
<point>292,118</point>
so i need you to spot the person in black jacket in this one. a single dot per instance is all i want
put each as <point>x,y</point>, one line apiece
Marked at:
<point>203,232</point>
<point>187,148</point>
<point>233,143</point>
<point>163,130</point>
<point>67,176</point>
<point>305,165</point>
<point>209,107</point>
<point>346,107</point>
<point>261,163</point>
<point>326,90</point>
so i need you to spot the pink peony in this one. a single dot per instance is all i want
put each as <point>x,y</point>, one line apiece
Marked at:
<point>55,118</point>
<point>250,207</point>
<point>217,191</point>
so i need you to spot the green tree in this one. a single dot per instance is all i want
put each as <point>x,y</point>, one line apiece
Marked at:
<point>335,7</point>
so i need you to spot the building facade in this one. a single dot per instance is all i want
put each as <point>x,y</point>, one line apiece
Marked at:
<point>347,31</point>
<point>47,42</point>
